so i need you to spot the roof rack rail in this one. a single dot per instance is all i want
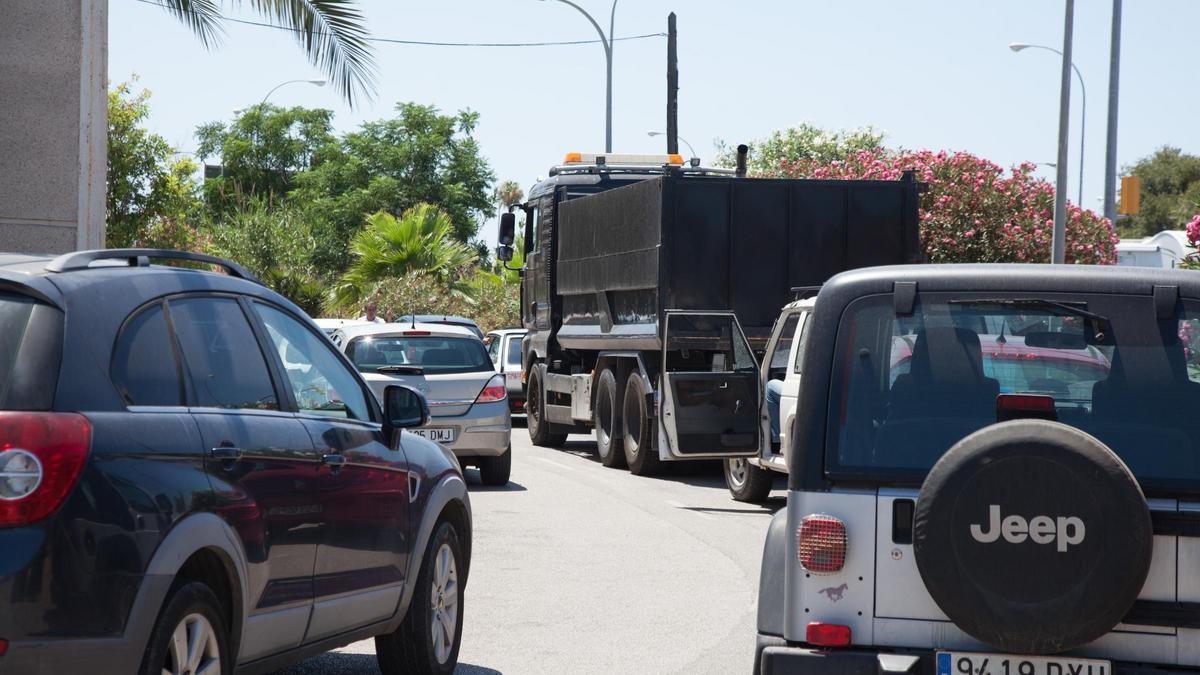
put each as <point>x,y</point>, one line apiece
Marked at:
<point>802,292</point>
<point>140,257</point>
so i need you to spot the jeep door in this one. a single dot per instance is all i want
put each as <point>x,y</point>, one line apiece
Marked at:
<point>262,466</point>
<point>363,486</point>
<point>709,388</point>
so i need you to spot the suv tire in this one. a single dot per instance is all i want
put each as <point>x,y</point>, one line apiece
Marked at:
<point>193,609</point>
<point>746,482</point>
<point>606,419</point>
<point>1032,495</point>
<point>437,605</point>
<point>494,471</point>
<point>638,425</point>
<point>535,414</point>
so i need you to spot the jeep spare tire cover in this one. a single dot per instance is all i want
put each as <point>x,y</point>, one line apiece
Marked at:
<point>1032,536</point>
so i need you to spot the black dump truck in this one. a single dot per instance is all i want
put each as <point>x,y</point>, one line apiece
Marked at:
<point>649,287</point>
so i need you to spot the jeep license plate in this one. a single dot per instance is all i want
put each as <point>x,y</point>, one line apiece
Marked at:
<point>441,435</point>
<point>962,663</point>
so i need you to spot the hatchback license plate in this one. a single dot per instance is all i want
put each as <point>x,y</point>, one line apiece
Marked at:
<point>443,435</point>
<point>961,663</point>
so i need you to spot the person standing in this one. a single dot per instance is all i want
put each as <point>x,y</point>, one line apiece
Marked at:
<point>370,316</point>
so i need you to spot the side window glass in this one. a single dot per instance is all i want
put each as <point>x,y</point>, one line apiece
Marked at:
<point>144,367</point>
<point>319,381</point>
<point>803,337</point>
<point>514,350</point>
<point>493,343</point>
<point>531,228</point>
<point>224,363</point>
<point>783,348</point>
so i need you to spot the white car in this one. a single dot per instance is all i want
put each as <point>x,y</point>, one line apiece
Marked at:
<point>331,325</point>
<point>468,402</point>
<point>504,347</point>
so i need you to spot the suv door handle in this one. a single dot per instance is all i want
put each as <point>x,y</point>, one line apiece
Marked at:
<point>334,460</point>
<point>227,453</point>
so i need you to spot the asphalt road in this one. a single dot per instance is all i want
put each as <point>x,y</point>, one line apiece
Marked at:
<point>582,569</point>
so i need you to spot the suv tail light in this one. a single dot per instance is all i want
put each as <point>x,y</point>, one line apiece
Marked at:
<point>41,457</point>
<point>494,390</point>
<point>821,544</point>
<point>827,634</point>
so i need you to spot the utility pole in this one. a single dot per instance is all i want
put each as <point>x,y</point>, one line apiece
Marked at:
<point>1110,150</point>
<point>1058,248</point>
<point>672,88</point>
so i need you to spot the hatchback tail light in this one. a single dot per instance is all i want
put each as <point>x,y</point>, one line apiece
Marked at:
<point>827,634</point>
<point>41,457</point>
<point>821,544</point>
<point>494,390</point>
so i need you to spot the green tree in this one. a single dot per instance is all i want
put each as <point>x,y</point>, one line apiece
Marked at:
<point>392,165</point>
<point>1170,192</point>
<point>332,33</point>
<point>388,248</point>
<point>802,142</point>
<point>261,151</point>
<point>150,193</point>
<point>508,194</point>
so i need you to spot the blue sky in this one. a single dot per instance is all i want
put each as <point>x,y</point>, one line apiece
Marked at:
<point>931,74</point>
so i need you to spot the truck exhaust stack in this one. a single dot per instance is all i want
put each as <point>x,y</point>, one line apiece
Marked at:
<point>742,151</point>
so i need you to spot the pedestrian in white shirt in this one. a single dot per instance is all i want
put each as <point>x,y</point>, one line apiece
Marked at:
<point>370,316</point>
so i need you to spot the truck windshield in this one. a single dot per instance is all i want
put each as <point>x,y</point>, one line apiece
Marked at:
<point>432,354</point>
<point>906,388</point>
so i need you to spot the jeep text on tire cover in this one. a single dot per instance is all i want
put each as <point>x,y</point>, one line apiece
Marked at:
<point>1039,529</point>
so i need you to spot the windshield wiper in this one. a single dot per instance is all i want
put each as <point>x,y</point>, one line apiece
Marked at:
<point>401,370</point>
<point>1099,322</point>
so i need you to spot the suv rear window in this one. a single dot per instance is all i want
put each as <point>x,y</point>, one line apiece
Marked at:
<point>433,354</point>
<point>906,388</point>
<point>30,352</point>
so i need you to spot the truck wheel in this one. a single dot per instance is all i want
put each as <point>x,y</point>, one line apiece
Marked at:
<point>747,483</point>
<point>606,418</point>
<point>638,425</point>
<point>535,415</point>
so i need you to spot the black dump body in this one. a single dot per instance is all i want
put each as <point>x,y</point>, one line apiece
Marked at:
<point>627,255</point>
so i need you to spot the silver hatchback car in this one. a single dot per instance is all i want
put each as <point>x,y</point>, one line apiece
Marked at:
<point>468,402</point>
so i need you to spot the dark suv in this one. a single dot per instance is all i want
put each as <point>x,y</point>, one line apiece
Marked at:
<point>193,480</point>
<point>994,470</point>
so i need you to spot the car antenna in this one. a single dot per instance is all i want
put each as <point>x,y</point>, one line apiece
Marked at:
<point>414,321</point>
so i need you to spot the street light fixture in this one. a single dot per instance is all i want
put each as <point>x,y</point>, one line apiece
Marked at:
<point>653,133</point>
<point>606,41</point>
<point>319,83</point>
<point>1018,46</point>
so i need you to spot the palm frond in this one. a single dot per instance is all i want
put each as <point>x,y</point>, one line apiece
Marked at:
<point>203,17</point>
<point>333,34</point>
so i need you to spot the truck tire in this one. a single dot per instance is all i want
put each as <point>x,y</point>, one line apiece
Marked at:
<point>746,482</point>
<point>638,424</point>
<point>606,418</point>
<point>535,416</point>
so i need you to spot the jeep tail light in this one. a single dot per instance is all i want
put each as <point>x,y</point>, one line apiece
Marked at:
<point>41,457</point>
<point>827,634</point>
<point>494,390</point>
<point>821,544</point>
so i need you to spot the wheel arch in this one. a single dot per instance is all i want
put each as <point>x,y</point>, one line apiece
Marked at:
<point>448,498</point>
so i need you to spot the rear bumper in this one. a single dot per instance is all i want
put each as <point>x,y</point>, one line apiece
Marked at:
<point>485,431</point>
<point>774,656</point>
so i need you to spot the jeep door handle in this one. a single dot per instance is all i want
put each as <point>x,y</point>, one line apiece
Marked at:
<point>227,453</point>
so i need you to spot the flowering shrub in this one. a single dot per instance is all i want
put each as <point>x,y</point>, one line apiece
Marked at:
<point>974,210</point>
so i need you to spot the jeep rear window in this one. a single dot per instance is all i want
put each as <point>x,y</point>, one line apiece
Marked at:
<point>904,389</point>
<point>15,312</point>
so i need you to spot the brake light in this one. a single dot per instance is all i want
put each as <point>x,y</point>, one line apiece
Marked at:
<point>3,647</point>
<point>1027,406</point>
<point>416,332</point>
<point>827,634</point>
<point>494,390</point>
<point>41,457</point>
<point>821,544</point>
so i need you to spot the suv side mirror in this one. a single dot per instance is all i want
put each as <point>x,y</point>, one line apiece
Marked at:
<point>508,230</point>
<point>405,407</point>
<point>504,253</point>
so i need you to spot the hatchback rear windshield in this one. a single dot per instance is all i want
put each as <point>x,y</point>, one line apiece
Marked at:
<point>31,388</point>
<point>433,354</point>
<point>514,350</point>
<point>904,389</point>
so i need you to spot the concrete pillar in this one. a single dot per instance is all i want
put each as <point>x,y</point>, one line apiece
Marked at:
<point>53,124</point>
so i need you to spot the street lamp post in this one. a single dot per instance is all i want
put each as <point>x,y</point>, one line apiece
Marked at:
<point>319,83</point>
<point>606,41</point>
<point>652,134</point>
<point>1018,46</point>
